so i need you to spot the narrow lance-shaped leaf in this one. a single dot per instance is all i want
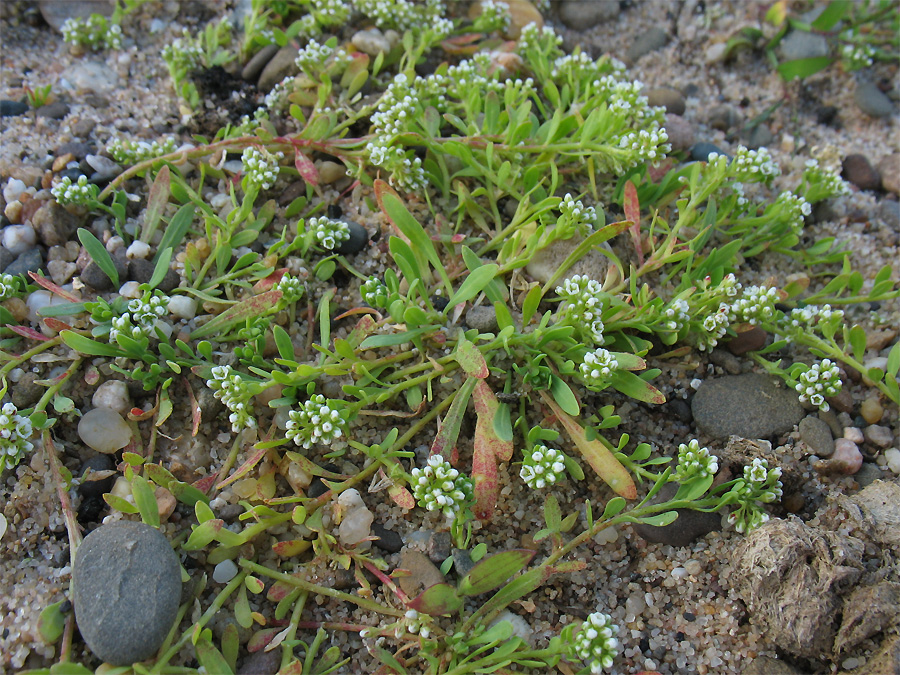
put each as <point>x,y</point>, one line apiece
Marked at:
<point>631,385</point>
<point>445,440</point>
<point>493,571</point>
<point>632,207</point>
<point>489,448</point>
<point>598,456</point>
<point>471,359</point>
<point>98,254</point>
<point>305,167</point>
<point>157,199</point>
<point>258,305</point>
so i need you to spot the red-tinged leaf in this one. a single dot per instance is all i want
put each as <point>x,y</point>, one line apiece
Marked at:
<point>244,468</point>
<point>471,359</point>
<point>205,484</point>
<point>53,288</point>
<point>306,168</point>
<point>493,571</point>
<point>628,361</point>
<point>139,415</point>
<point>445,440</point>
<point>26,332</point>
<point>657,172</point>
<point>399,494</point>
<point>256,306</point>
<point>569,566</point>
<point>279,591</point>
<point>195,408</point>
<point>266,283</point>
<point>363,328</point>
<point>261,639</point>
<point>632,208</point>
<point>598,456</point>
<point>437,600</point>
<point>489,447</point>
<point>353,311</point>
<point>55,324</point>
<point>157,199</point>
<point>291,548</point>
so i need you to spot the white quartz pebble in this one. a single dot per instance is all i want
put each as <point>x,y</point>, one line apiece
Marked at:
<point>104,430</point>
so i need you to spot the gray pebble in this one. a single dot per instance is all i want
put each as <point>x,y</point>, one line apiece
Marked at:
<point>749,406</point>
<point>681,409</point>
<point>462,562</point>
<point>817,435</point>
<point>12,108</point>
<point>799,44</point>
<point>77,148</point>
<point>872,101</point>
<point>701,151</point>
<point>54,111</point>
<point>760,137</point>
<point>858,170</point>
<point>648,41</point>
<point>824,212</point>
<point>879,435</point>
<point>281,65</point>
<point>889,168</point>
<point>723,117</point>
<point>96,278</point>
<point>83,127</point>
<point>889,212</point>
<point>105,168</point>
<point>261,663</point>
<point>25,393</point>
<point>359,237</point>
<point>54,224</point>
<point>483,319</point>
<point>689,526</point>
<point>5,259</point>
<point>747,341</point>
<point>388,540</point>
<point>585,14</point>
<point>30,261</point>
<point>547,261</point>
<point>668,98</point>
<point>141,271</point>
<point>256,64</point>
<point>680,131</point>
<point>126,585</point>
<point>438,547</point>
<point>96,488</point>
<point>730,363</point>
<point>868,473</point>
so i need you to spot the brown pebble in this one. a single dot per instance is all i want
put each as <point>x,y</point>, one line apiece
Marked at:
<point>858,170</point>
<point>748,341</point>
<point>871,410</point>
<point>16,307</point>
<point>60,162</point>
<point>843,402</point>
<point>876,340</point>
<point>794,502</point>
<point>889,168</point>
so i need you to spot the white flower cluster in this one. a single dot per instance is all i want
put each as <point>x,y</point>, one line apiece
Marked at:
<point>132,152</point>
<point>15,431</point>
<point>261,166</point>
<point>576,212</point>
<point>584,304</point>
<point>9,286</point>
<point>81,193</point>
<point>291,288</point>
<point>804,318</point>
<point>230,388</point>
<point>314,422</point>
<point>753,165</point>
<point>327,232</point>
<point>596,368</point>
<point>326,13</point>
<point>715,325</point>
<point>184,53</point>
<point>756,304</point>
<point>542,38</point>
<point>494,16</point>
<point>374,292</point>
<point>313,56</point>
<point>440,487</point>
<point>827,182</point>
<point>645,146</point>
<point>794,209</point>
<point>141,318</point>
<point>759,485</point>
<point>414,625</point>
<point>677,314</point>
<point>401,14</point>
<point>596,642</point>
<point>855,57</point>
<point>96,32</point>
<point>542,467</point>
<point>694,462</point>
<point>820,381</point>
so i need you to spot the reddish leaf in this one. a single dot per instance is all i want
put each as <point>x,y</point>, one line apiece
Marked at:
<point>493,571</point>
<point>55,324</point>
<point>29,333</point>
<point>53,288</point>
<point>279,591</point>
<point>205,484</point>
<point>138,415</point>
<point>471,359</point>
<point>401,496</point>
<point>306,168</point>
<point>258,305</point>
<point>260,639</point>
<point>437,600</point>
<point>291,548</point>
<point>266,283</point>
<point>489,447</point>
<point>363,328</point>
<point>632,209</point>
<point>598,456</point>
<point>245,468</point>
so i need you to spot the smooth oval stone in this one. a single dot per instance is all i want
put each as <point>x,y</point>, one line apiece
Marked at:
<point>104,430</point>
<point>126,584</point>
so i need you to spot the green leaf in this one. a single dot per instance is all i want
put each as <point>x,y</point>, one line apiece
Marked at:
<point>473,285</point>
<point>471,359</point>
<point>52,622</point>
<point>119,504</point>
<point>493,571</point>
<point>445,439</point>
<point>552,514</point>
<point>178,227</point>
<point>437,600</point>
<point>661,519</point>
<point>563,395</point>
<point>831,15</point>
<point>201,535</point>
<point>858,342</point>
<point>255,306</point>
<point>893,361</point>
<point>631,385</point>
<point>375,341</point>
<point>87,346</point>
<point>145,501</point>
<point>157,199</point>
<point>69,668</point>
<point>800,68</point>
<point>98,254</point>
<point>211,659</point>
<point>283,343</point>
<point>530,304</point>
<point>613,507</point>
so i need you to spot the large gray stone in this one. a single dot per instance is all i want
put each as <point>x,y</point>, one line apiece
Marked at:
<point>126,586</point>
<point>688,527</point>
<point>585,14</point>
<point>749,406</point>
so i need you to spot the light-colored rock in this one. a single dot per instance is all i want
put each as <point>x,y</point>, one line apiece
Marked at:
<point>889,168</point>
<point>547,261</point>
<point>112,394</point>
<point>19,238</point>
<point>183,307</point>
<point>89,76</point>
<point>879,435</point>
<point>371,41</point>
<point>356,519</point>
<point>13,190</point>
<point>224,572</point>
<point>137,249</point>
<point>104,430</point>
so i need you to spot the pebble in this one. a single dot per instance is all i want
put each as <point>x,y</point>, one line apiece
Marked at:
<point>872,101</point>
<point>54,111</point>
<point>257,62</point>
<point>281,66</point>
<point>847,459</point>
<point>715,52</point>
<point>853,434</point>
<point>868,473</point>
<point>5,258</point>
<point>545,262</point>
<point>857,169</point>
<point>817,435</point>
<point>750,406</point>
<point>96,488</point>
<point>13,190</point>
<point>879,435</point>
<point>330,172</point>
<point>56,12</point>
<point>681,409</point>
<point>356,521</point>
<point>105,168</point>
<point>871,410</point>
<point>879,362</point>
<point>359,238</point>
<point>31,260</point>
<point>726,360</point>
<point>26,392</point>
<point>77,149</point>
<point>889,168</point>
<point>581,15</point>
<point>521,13</point>
<point>225,571</point>
<point>19,238</point>
<point>892,456</point>
<point>12,108</point>
<point>889,210</point>
<point>800,44</point>
<point>137,249</point>
<point>438,547</point>
<point>760,137</point>
<point>54,224</point>
<point>689,526</point>
<point>387,540</point>
<point>96,278</point>
<point>131,290</point>
<point>126,586</point>
<point>747,341</point>
<point>422,572</point>
<point>462,561</point>
<point>141,271</point>
<point>93,76</point>
<point>668,98</point>
<point>104,430</point>
<point>701,151</point>
<point>112,394</point>
<point>261,663</point>
<point>648,41</point>
<point>371,41</point>
<point>183,307</point>
<point>483,319</point>
<point>723,117</point>
<point>680,131</point>
<point>82,128</point>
